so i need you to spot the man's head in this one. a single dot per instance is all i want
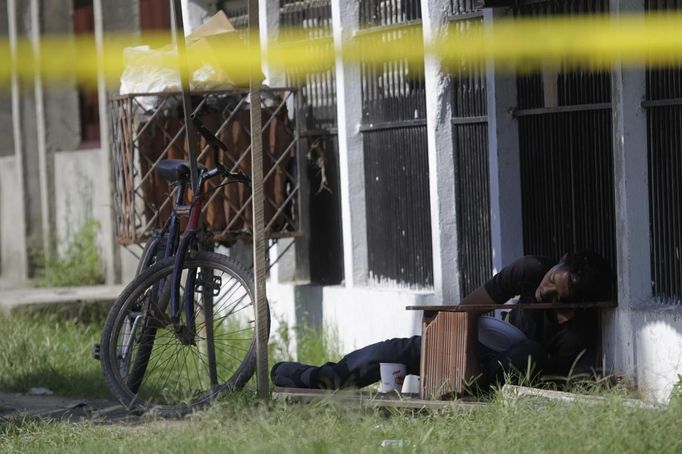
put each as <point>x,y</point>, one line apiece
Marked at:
<point>583,276</point>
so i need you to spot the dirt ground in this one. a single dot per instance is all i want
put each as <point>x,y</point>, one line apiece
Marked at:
<point>13,405</point>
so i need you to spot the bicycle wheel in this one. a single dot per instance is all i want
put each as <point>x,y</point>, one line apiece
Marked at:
<point>146,364</point>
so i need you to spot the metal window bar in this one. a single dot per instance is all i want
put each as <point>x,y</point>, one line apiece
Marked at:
<point>566,150</point>
<point>664,138</point>
<point>395,152</point>
<point>317,114</point>
<point>238,13</point>
<point>459,7</point>
<point>470,123</point>
<point>397,208</point>
<point>379,13</point>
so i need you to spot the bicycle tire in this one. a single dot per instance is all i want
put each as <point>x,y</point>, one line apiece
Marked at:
<point>139,347</point>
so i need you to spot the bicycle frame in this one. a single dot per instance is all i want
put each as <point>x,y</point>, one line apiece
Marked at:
<point>179,249</point>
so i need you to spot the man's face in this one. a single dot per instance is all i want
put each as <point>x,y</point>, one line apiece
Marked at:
<point>555,285</point>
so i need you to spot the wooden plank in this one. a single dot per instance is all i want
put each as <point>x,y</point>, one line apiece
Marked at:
<point>258,210</point>
<point>526,306</point>
<point>368,399</point>
<point>524,391</point>
<point>444,344</point>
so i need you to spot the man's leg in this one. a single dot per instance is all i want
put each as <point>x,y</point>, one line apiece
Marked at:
<point>496,364</point>
<point>357,369</point>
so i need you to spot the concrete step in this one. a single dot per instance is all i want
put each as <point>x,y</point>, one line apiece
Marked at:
<point>65,297</point>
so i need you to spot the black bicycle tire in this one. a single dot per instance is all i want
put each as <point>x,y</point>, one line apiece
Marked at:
<point>156,272</point>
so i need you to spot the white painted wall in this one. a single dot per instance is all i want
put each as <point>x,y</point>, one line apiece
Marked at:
<point>657,339</point>
<point>363,316</point>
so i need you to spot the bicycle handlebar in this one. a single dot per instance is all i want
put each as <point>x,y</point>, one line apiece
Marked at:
<point>208,135</point>
<point>218,144</point>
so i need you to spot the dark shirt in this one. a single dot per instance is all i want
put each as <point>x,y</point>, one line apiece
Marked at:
<point>564,342</point>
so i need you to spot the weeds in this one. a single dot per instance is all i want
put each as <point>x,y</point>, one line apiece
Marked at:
<point>80,263</point>
<point>313,345</point>
<point>47,351</point>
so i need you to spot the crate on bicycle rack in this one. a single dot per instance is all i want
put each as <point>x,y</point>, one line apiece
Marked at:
<point>147,128</point>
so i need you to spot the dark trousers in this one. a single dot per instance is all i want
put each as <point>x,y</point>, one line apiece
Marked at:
<point>361,367</point>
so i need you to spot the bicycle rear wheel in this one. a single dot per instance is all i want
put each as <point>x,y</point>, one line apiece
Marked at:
<point>146,364</point>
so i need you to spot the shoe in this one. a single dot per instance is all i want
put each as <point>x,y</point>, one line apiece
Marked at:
<point>289,374</point>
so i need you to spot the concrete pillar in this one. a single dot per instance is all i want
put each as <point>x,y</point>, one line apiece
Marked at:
<point>633,255</point>
<point>292,255</point>
<point>19,259</point>
<point>506,220</point>
<point>115,17</point>
<point>269,32</point>
<point>62,117</point>
<point>440,137</point>
<point>7,144</point>
<point>44,167</point>
<point>345,21</point>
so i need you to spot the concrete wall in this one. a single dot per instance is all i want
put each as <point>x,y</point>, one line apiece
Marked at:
<point>78,192</point>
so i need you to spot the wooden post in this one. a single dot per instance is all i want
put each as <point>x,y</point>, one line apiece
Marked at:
<point>179,34</point>
<point>258,207</point>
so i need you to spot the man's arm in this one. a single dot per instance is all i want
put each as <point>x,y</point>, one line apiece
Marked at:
<point>478,296</point>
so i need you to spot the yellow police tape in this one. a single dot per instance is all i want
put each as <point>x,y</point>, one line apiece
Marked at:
<point>595,42</point>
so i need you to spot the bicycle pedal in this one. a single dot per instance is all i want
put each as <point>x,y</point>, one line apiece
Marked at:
<point>208,284</point>
<point>95,352</point>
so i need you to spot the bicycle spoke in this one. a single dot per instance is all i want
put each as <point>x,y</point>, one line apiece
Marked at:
<point>161,369</point>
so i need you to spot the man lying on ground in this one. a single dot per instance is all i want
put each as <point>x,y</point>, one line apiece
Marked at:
<point>556,341</point>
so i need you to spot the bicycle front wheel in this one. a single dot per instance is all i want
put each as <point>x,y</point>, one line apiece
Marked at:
<point>148,363</point>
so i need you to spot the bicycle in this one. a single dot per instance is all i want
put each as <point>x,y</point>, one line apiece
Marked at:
<point>182,333</point>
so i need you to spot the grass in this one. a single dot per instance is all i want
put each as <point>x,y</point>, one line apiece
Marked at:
<point>80,263</point>
<point>46,350</point>
<point>241,424</point>
<point>52,349</point>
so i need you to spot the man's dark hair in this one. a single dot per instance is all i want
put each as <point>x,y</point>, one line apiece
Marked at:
<point>591,277</point>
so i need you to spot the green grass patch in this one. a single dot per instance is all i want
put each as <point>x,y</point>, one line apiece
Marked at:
<point>46,350</point>
<point>313,345</point>
<point>243,425</point>
<point>80,263</point>
<point>51,348</point>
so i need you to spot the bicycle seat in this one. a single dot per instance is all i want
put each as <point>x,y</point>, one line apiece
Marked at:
<point>174,170</point>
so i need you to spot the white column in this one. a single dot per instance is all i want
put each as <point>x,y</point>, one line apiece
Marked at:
<point>440,137</point>
<point>345,20</point>
<point>633,255</point>
<point>269,33</point>
<point>20,261</point>
<point>108,241</point>
<point>506,221</point>
<point>43,156</point>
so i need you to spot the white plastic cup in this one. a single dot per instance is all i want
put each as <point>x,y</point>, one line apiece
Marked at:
<point>392,376</point>
<point>410,384</point>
